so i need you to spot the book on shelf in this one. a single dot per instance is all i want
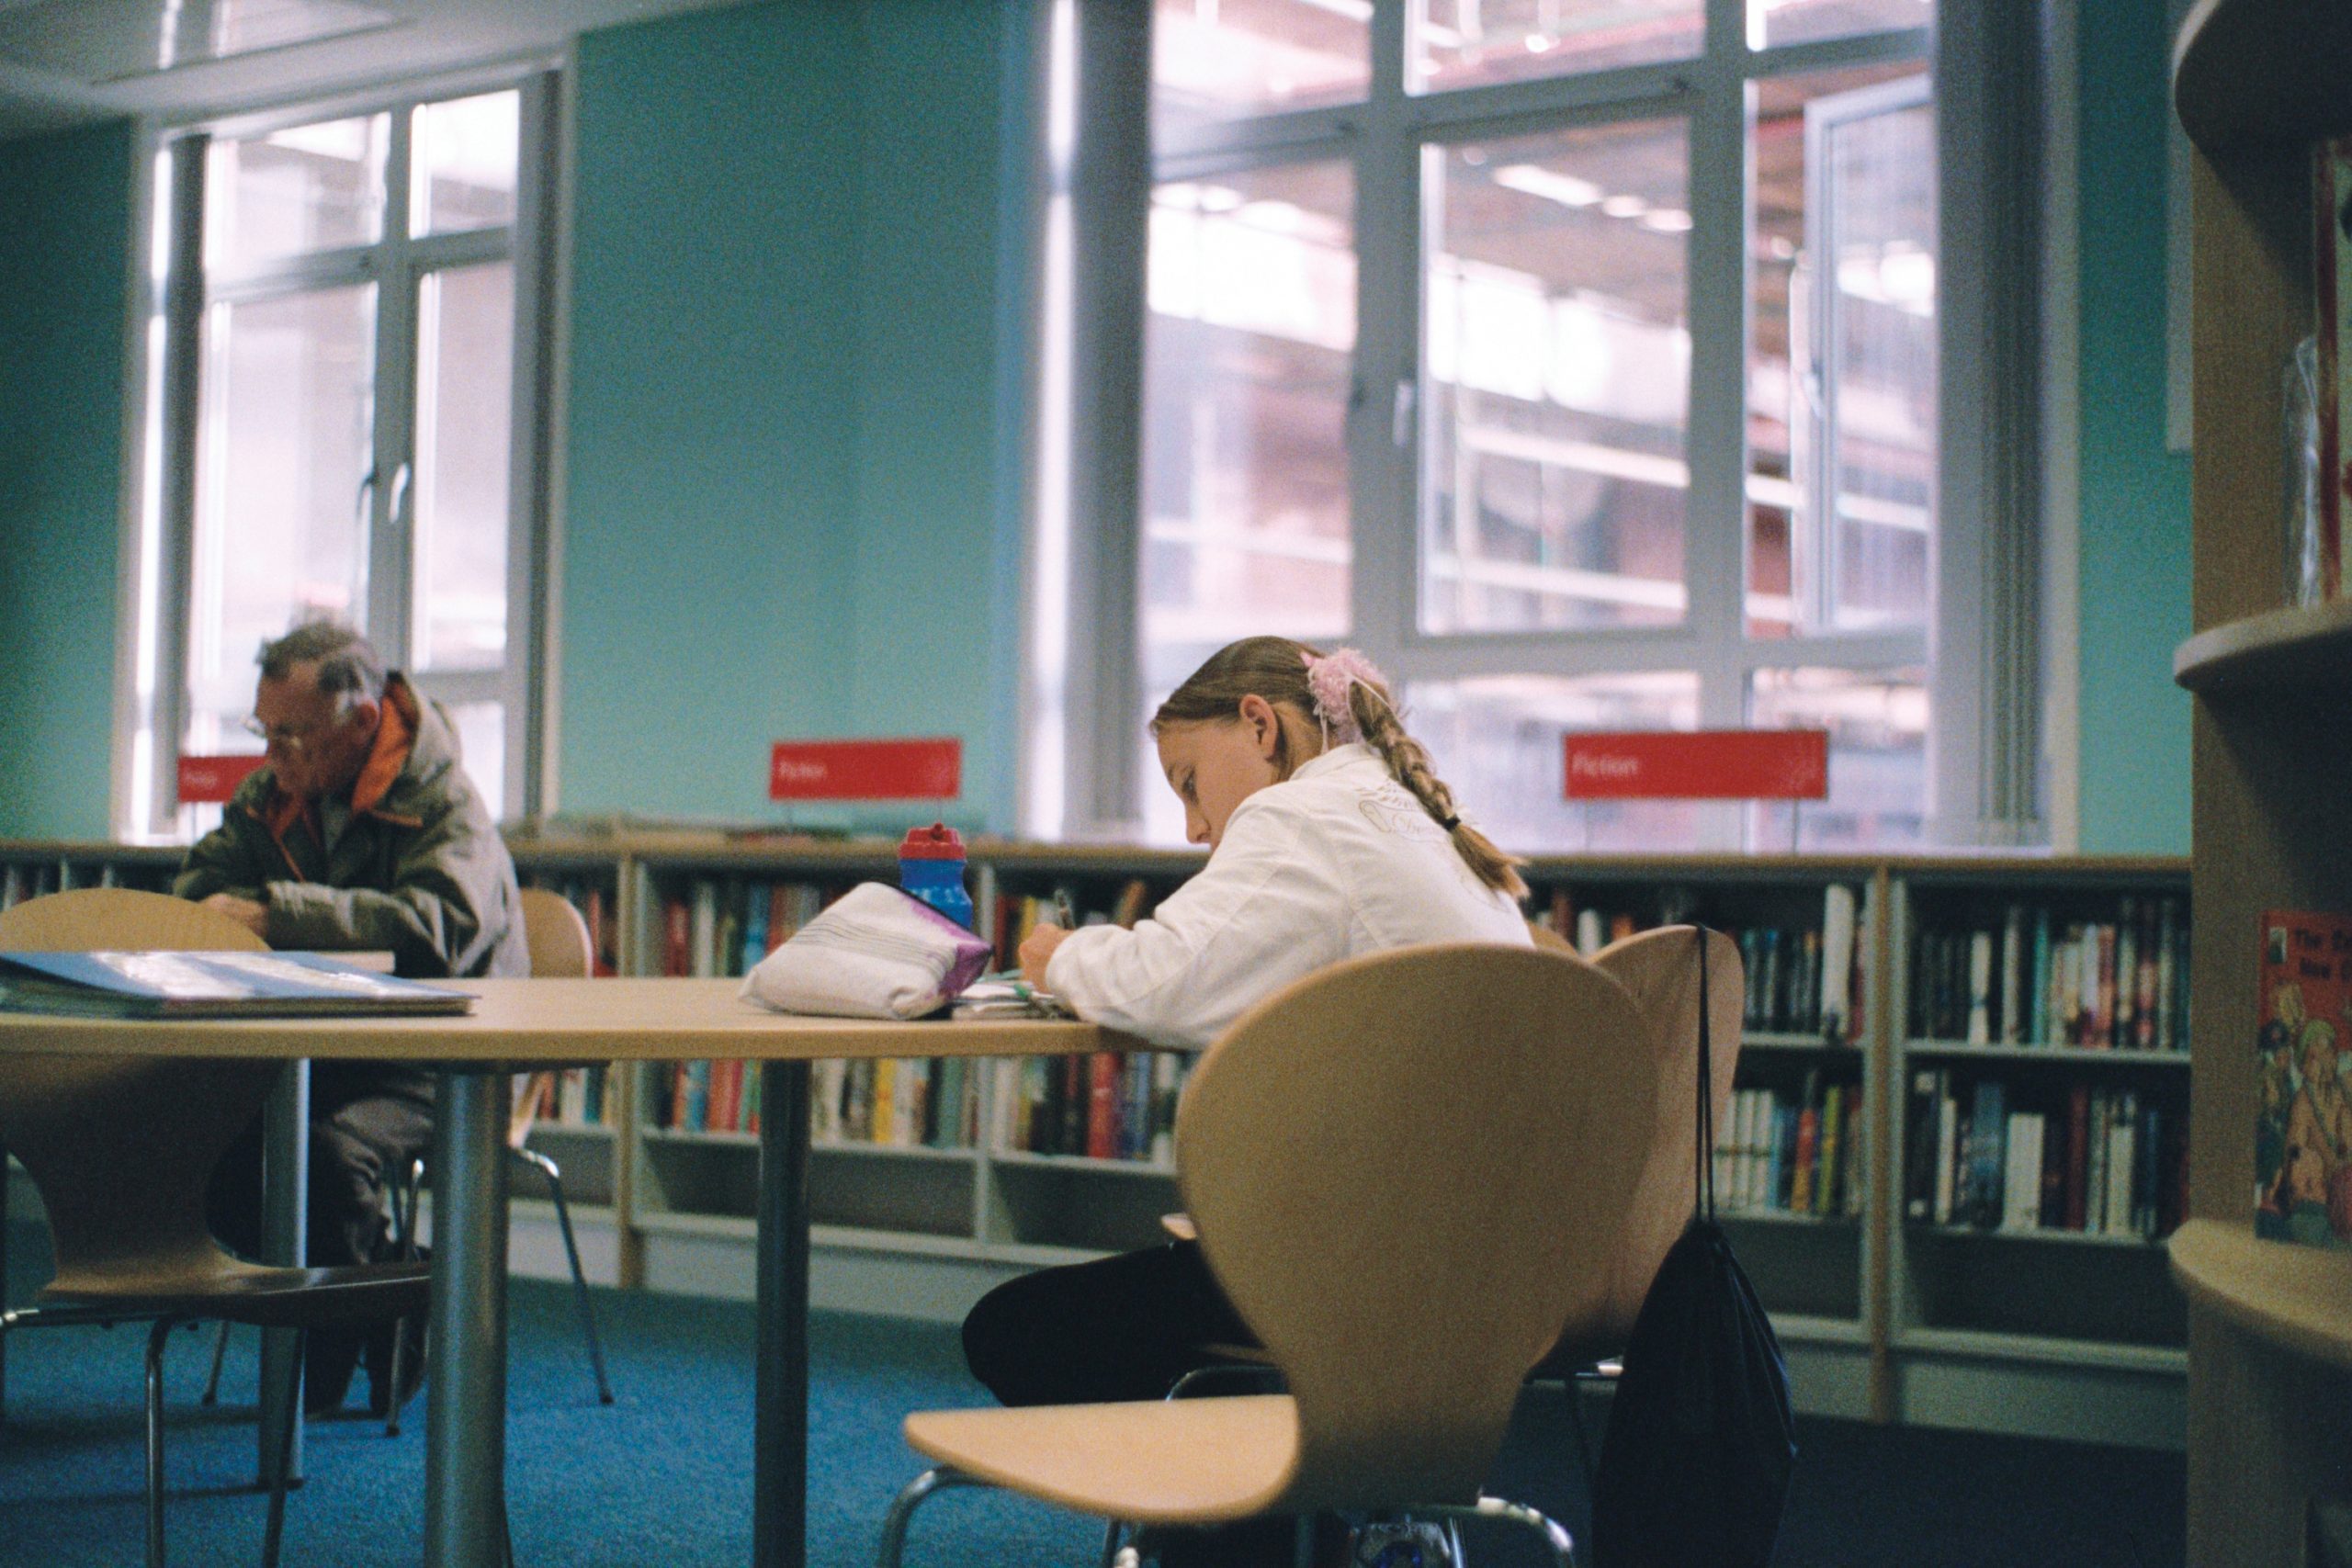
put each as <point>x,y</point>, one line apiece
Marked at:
<point>2119,984</point>
<point>2303,1136</point>
<point>1113,1105</point>
<point>212,985</point>
<point>1121,902</point>
<point>573,1097</point>
<point>1803,980</point>
<point>2322,563</point>
<point>1791,1154</point>
<point>1994,1154</point>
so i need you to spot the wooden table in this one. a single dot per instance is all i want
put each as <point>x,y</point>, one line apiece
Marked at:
<point>520,1024</point>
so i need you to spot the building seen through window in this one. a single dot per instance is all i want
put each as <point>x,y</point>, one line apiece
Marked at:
<point>1452,376</point>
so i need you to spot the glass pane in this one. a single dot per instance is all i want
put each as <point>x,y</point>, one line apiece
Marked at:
<point>1464,44</point>
<point>1781,440</point>
<point>465,156</point>
<point>482,748</point>
<point>1219,59</point>
<point>464,366</point>
<point>1501,742</point>
<point>1771,23</point>
<point>1557,370</point>
<point>283,443</point>
<point>310,187</point>
<point>1247,353</point>
<point>1877,721</point>
<point>1881,233</point>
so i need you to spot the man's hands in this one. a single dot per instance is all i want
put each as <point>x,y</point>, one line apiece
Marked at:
<point>254,917</point>
<point>1038,950</point>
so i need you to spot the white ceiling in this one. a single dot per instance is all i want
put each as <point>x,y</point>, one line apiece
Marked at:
<point>66,61</point>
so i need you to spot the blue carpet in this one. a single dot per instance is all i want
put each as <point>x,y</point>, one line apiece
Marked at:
<point>663,1476</point>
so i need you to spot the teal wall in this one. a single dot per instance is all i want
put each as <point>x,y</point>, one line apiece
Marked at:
<point>2134,593</point>
<point>64,249</point>
<point>785,473</point>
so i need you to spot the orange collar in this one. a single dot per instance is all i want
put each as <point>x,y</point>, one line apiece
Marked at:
<point>394,736</point>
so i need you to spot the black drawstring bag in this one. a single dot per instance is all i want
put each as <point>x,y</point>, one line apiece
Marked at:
<point>1694,1470</point>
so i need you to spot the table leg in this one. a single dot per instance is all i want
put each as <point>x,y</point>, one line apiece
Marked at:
<point>780,1418</point>
<point>285,1228</point>
<point>465,1440</point>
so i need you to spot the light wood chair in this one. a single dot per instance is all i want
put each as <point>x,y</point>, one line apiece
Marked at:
<point>1408,1172</point>
<point>120,1150</point>
<point>1659,969</point>
<point>560,948</point>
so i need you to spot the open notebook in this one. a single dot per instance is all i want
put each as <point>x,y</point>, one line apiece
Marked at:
<point>211,985</point>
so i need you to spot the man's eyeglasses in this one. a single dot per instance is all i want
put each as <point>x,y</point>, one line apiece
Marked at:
<point>291,739</point>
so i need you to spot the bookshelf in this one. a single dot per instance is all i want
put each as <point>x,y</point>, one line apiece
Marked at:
<point>1882,1319</point>
<point>2256,84</point>
<point>2039,1110</point>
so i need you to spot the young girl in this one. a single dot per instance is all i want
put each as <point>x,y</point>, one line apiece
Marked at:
<point>1329,837</point>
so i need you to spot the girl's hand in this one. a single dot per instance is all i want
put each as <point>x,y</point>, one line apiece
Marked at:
<point>1037,951</point>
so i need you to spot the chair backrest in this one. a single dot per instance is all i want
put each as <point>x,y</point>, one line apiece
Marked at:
<point>1407,1171</point>
<point>561,949</point>
<point>1660,970</point>
<point>121,1147</point>
<point>560,946</point>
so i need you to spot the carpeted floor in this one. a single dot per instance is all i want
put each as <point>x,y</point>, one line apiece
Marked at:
<point>663,1476</point>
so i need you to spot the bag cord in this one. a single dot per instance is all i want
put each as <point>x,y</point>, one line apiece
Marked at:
<point>1703,1177</point>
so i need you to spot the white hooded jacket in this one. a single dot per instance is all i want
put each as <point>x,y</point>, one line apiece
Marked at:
<point>1335,860</point>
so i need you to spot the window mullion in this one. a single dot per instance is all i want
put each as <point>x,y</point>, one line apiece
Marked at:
<point>178,408</point>
<point>392,501</point>
<point>1714,522</point>
<point>529,547</point>
<point>1383,431</point>
<point>1714,534</point>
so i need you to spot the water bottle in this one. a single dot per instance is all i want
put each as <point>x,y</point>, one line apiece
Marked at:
<point>930,867</point>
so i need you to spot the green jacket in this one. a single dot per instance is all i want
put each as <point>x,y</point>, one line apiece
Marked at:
<point>411,863</point>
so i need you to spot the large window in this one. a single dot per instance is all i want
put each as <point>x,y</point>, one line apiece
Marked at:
<point>1583,364</point>
<point>344,418</point>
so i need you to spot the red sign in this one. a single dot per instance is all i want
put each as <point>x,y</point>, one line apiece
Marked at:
<point>206,780</point>
<point>1705,764</point>
<point>865,770</point>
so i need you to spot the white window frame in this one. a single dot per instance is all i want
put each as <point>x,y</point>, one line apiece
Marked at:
<point>1976,738</point>
<point>153,581</point>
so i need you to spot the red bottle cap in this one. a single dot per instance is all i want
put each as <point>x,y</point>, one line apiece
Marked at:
<point>938,841</point>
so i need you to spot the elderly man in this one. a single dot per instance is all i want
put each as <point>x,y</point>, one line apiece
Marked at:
<point>360,833</point>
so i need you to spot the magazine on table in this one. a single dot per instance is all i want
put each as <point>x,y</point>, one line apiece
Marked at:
<point>211,985</point>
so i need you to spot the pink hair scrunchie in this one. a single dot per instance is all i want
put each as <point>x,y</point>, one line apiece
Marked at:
<point>1328,678</point>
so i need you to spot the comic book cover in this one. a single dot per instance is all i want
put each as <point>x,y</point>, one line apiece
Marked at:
<point>2302,1139</point>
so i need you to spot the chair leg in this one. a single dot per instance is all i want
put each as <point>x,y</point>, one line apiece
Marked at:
<point>910,1498</point>
<point>549,1168</point>
<point>211,1395</point>
<point>157,1337</point>
<point>1556,1535</point>
<point>288,1407</point>
<point>403,1198</point>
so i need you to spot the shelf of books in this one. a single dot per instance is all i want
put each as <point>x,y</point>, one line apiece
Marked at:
<point>994,1166</point>
<point>1792,1159</point>
<point>2043,1059</point>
